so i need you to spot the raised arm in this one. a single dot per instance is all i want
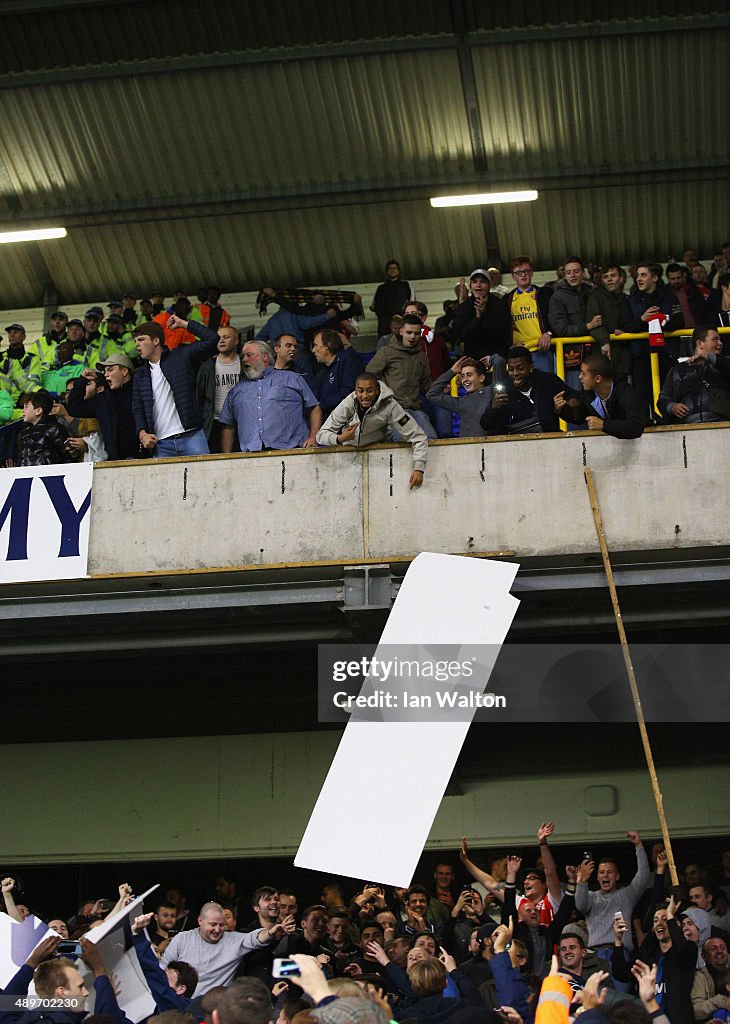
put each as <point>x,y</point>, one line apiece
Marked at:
<point>165,997</point>
<point>8,885</point>
<point>583,897</point>
<point>638,883</point>
<point>488,881</point>
<point>548,862</point>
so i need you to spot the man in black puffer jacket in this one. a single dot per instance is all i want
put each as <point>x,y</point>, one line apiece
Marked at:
<point>167,416</point>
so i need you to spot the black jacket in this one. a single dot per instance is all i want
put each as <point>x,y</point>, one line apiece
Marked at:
<point>390,297</point>
<point>704,387</point>
<point>520,409</point>
<point>613,308</point>
<point>481,336</point>
<point>550,934</point>
<point>625,417</point>
<point>677,971</point>
<point>42,444</point>
<point>205,394</point>
<point>113,410</point>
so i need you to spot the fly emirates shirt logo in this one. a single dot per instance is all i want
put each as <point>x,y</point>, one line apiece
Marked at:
<point>525,320</point>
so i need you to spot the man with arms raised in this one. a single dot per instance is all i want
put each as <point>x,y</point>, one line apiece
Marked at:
<point>599,908</point>
<point>215,953</point>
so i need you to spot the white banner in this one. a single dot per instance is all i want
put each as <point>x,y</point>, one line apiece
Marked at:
<point>44,522</point>
<point>17,940</point>
<point>133,993</point>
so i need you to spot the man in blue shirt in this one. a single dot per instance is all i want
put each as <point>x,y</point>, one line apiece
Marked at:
<point>268,408</point>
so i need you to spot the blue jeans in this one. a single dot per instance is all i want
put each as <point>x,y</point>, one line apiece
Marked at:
<point>544,360</point>
<point>423,422</point>
<point>440,418</point>
<point>189,444</point>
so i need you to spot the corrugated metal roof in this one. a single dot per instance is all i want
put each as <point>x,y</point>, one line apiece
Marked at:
<point>72,36</point>
<point>138,31</point>
<point>624,224</point>
<point>247,252</point>
<point>264,128</point>
<point>596,104</point>
<point>19,285</point>
<point>253,136</point>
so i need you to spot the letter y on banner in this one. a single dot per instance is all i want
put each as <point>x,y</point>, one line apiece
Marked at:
<point>44,522</point>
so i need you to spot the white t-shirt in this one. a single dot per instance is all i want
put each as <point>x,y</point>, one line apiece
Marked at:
<point>167,420</point>
<point>227,376</point>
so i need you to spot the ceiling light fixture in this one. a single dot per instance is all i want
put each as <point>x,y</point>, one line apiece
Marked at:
<point>35,235</point>
<point>484,198</point>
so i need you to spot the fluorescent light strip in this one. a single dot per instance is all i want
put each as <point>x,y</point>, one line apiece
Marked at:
<point>484,198</point>
<point>36,235</point>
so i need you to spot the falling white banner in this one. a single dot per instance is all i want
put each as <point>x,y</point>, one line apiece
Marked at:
<point>444,600</point>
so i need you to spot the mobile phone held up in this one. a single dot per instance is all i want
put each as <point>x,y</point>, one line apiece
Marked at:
<point>67,947</point>
<point>284,968</point>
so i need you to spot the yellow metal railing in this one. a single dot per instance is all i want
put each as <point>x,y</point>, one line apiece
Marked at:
<point>560,343</point>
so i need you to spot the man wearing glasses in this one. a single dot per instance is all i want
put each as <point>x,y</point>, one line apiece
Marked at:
<point>524,313</point>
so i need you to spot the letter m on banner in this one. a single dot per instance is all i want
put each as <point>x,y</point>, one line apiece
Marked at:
<point>44,523</point>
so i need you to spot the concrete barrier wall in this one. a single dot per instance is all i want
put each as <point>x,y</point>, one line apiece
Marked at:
<point>664,491</point>
<point>253,795</point>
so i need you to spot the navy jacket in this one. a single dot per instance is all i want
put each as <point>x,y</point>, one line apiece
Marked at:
<point>105,1002</point>
<point>335,382</point>
<point>625,416</point>
<point>113,410</point>
<point>180,367</point>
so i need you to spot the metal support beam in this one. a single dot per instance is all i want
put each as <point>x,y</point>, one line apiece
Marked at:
<point>360,193</point>
<point>474,120</point>
<point>360,48</point>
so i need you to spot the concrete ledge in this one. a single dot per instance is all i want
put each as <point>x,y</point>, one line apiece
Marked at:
<point>524,495</point>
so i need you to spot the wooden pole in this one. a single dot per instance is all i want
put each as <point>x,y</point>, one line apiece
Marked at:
<point>630,672</point>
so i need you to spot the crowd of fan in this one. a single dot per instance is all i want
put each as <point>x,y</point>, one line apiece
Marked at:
<point>178,380</point>
<point>512,944</point>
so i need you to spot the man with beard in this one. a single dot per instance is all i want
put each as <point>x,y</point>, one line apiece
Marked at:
<point>268,407</point>
<point>367,416</point>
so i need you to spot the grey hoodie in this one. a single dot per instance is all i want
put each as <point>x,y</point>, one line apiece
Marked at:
<point>384,415</point>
